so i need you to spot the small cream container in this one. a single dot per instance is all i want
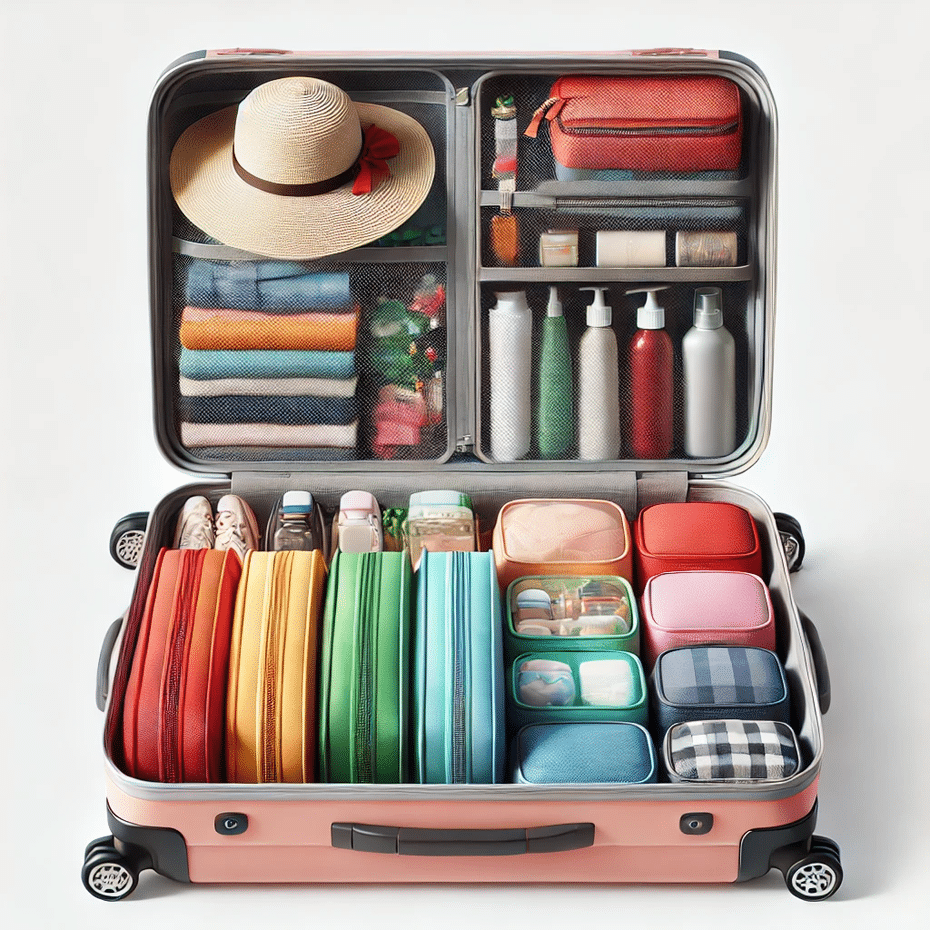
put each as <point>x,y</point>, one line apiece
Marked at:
<point>707,249</point>
<point>628,249</point>
<point>558,248</point>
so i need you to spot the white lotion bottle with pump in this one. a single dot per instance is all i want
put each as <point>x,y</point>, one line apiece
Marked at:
<point>709,357</point>
<point>510,332</point>
<point>598,384</point>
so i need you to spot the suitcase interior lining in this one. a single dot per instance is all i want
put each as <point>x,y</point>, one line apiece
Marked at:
<point>463,200</point>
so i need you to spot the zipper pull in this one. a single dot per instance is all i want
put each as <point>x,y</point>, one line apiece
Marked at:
<point>533,128</point>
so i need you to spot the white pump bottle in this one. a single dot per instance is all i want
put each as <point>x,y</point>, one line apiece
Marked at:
<point>598,384</point>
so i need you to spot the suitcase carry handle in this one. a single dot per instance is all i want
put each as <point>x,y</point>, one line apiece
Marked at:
<point>417,841</point>
<point>103,663</point>
<point>820,662</point>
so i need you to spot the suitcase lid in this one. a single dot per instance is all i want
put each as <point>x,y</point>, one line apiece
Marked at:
<point>226,404</point>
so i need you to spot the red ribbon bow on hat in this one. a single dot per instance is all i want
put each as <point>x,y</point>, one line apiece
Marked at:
<point>378,145</point>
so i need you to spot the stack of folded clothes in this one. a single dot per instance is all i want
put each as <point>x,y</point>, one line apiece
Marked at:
<point>268,359</point>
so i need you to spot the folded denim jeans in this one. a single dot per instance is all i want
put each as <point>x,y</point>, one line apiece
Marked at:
<point>272,286</point>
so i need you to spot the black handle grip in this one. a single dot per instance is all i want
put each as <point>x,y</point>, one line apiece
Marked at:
<point>820,662</point>
<point>419,841</point>
<point>103,663</point>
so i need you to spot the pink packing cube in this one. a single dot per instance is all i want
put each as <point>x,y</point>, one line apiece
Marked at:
<point>692,608</point>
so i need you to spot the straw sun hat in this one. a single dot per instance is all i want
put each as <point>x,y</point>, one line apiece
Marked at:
<point>298,170</point>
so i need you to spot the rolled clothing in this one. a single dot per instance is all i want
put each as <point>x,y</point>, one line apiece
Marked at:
<point>271,286</point>
<point>206,364</point>
<point>277,387</point>
<point>269,434</point>
<point>244,329</point>
<point>244,409</point>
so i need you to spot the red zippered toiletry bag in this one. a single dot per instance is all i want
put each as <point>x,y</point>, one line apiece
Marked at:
<point>686,123</point>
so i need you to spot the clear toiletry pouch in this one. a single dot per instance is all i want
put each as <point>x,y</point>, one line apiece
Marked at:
<point>562,537</point>
<point>731,750</point>
<point>574,687</point>
<point>583,753</point>
<point>570,614</point>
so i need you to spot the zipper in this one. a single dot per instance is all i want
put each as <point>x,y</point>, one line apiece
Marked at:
<point>364,710</point>
<point>278,600</point>
<point>185,606</point>
<point>721,129</point>
<point>459,584</point>
<point>559,202</point>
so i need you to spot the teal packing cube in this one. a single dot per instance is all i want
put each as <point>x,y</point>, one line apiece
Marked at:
<point>458,699</point>
<point>583,753</point>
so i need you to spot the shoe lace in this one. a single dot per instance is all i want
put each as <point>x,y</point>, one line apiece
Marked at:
<point>228,532</point>
<point>197,536</point>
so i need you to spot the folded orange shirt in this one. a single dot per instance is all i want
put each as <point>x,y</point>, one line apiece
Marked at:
<point>250,329</point>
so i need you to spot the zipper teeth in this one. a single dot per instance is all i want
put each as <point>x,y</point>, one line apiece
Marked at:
<point>188,589</point>
<point>363,710</point>
<point>280,585</point>
<point>721,129</point>
<point>657,202</point>
<point>459,585</point>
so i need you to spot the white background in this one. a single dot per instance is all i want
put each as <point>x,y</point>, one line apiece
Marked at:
<point>847,455</point>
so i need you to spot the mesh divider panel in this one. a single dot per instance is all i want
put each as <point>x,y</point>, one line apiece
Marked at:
<point>536,164</point>
<point>678,301</point>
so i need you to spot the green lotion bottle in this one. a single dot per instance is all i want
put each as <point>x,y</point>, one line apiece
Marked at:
<point>555,414</point>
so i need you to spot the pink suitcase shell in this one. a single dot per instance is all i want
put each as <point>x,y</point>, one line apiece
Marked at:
<point>691,608</point>
<point>664,832</point>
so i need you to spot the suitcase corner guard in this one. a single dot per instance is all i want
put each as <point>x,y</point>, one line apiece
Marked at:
<point>161,848</point>
<point>413,841</point>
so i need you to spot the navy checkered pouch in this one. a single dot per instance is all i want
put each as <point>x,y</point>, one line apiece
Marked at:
<point>717,683</point>
<point>731,750</point>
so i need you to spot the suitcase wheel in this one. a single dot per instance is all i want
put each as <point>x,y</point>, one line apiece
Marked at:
<point>108,874</point>
<point>792,539</point>
<point>127,539</point>
<point>816,876</point>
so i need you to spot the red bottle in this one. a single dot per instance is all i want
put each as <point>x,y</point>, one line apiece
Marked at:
<point>650,371</point>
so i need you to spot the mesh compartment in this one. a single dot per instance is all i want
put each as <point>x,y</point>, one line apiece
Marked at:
<point>587,216</point>
<point>536,161</point>
<point>337,359</point>
<point>327,361</point>
<point>678,301</point>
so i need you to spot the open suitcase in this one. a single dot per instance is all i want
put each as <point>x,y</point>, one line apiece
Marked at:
<point>504,212</point>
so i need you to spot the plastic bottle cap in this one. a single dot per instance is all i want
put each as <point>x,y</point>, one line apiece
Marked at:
<point>708,309</point>
<point>554,307</point>
<point>650,315</point>
<point>297,501</point>
<point>598,314</point>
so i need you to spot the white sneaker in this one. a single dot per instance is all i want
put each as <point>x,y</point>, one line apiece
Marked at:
<point>236,526</point>
<point>195,525</point>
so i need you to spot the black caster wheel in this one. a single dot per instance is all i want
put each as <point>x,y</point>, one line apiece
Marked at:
<point>97,844</point>
<point>107,874</point>
<point>792,539</point>
<point>818,875</point>
<point>127,539</point>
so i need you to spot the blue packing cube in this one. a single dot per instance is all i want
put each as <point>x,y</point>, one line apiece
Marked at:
<point>583,753</point>
<point>717,682</point>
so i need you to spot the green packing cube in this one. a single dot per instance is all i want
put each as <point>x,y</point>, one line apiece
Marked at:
<point>364,669</point>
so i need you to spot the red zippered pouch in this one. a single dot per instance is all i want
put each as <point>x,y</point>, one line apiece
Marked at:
<point>684,124</point>
<point>174,706</point>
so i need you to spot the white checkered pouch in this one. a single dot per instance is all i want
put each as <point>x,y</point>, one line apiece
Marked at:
<point>731,750</point>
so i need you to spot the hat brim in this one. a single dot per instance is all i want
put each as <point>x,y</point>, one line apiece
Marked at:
<point>215,198</point>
